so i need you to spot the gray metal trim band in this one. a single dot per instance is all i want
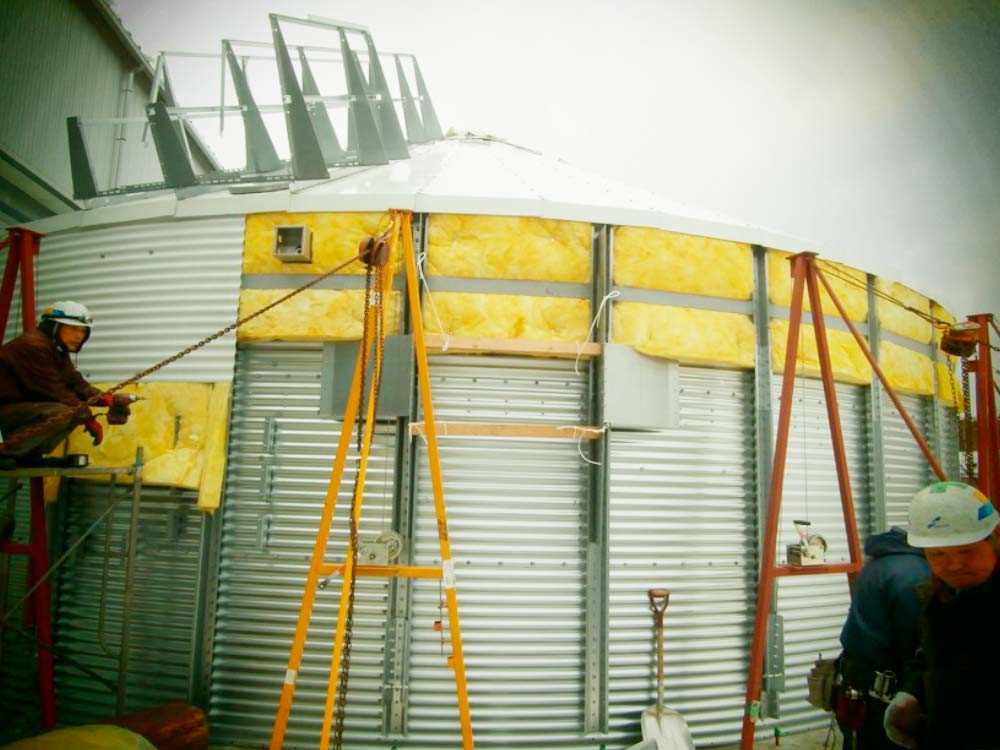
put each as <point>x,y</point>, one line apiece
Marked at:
<point>522,287</point>
<point>677,299</point>
<point>295,280</point>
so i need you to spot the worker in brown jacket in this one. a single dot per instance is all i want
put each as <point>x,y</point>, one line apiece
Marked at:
<point>40,384</point>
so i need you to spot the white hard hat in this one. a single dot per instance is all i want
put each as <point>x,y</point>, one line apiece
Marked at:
<point>948,514</point>
<point>70,313</point>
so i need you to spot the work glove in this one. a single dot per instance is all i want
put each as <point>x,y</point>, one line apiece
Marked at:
<point>94,429</point>
<point>901,717</point>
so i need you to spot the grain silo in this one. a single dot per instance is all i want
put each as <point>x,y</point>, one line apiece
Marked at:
<point>553,301</point>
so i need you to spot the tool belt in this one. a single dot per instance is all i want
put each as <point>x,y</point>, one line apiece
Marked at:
<point>822,681</point>
<point>867,678</point>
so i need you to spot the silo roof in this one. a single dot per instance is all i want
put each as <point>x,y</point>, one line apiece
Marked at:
<point>464,174</point>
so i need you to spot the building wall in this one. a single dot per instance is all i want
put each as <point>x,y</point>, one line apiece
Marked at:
<point>64,58</point>
<point>526,514</point>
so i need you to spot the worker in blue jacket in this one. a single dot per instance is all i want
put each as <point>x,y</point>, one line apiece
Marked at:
<point>948,697</point>
<point>880,635</point>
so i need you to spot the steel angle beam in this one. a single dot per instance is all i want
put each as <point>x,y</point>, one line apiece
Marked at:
<point>170,150</point>
<point>307,156</point>
<point>82,169</point>
<point>261,156</point>
<point>414,127</point>
<point>369,140</point>
<point>322,126</point>
<point>392,134</point>
<point>431,125</point>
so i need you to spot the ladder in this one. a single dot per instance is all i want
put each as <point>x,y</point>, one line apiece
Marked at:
<point>400,240</point>
<point>807,275</point>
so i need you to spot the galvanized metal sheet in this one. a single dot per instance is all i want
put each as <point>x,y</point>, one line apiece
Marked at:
<point>281,455</point>
<point>88,603</point>
<point>950,446</point>
<point>153,288</point>
<point>48,90</point>
<point>814,607</point>
<point>517,526</point>
<point>682,518</point>
<point>471,175</point>
<point>906,468</point>
<point>163,620</point>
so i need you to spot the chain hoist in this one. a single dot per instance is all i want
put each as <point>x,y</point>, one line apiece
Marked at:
<point>374,253</point>
<point>966,421</point>
<point>80,409</point>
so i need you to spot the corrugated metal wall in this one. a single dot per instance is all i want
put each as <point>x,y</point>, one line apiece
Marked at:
<point>154,288</point>
<point>814,607</point>
<point>517,525</point>
<point>682,517</point>
<point>950,461</point>
<point>163,619</point>
<point>280,457</point>
<point>63,61</point>
<point>906,469</point>
<point>88,606</point>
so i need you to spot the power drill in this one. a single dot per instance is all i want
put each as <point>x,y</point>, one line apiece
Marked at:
<point>118,406</point>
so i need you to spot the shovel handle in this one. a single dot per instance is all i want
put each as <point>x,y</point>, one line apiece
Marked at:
<point>658,600</point>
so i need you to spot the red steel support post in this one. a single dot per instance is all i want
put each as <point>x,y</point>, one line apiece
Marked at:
<point>7,287</point>
<point>765,585</point>
<point>836,431</point>
<point>988,442</point>
<point>22,247</point>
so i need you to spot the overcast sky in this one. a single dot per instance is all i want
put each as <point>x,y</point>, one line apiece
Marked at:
<point>869,127</point>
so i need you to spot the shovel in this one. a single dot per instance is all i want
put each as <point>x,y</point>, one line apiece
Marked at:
<point>659,723</point>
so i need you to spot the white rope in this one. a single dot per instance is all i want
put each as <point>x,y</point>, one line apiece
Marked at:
<point>421,257</point>
<point>590,331</point>
<point>582,432</point>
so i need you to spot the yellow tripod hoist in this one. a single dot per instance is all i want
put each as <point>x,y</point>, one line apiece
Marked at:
<point>380,255</point>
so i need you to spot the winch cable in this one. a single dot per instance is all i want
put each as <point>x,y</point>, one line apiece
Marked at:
<point>373,321</point>
<point>963,411</point>
<point>62,415</point>
<point>836,273</point>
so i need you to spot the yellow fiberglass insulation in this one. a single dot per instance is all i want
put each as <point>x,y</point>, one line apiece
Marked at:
<point>657,259</point>
<point>949,383</point>
<point>893,317</point>
<point>312,315</point>
<point>946,318</point>
<point>908,371</point>
<point>846,359</point>
<point>505,316</point>
<point>853,295</point>
<point>181,428</point>
<point>685,334</point>
<point>87,737</point>
<point>335,238</point>
<point>508,247</point>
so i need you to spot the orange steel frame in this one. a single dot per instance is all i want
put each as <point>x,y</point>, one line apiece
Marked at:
<point>987,428</point>
<point>807,275</point>
<point>401,234</point>
<point>22,247</point>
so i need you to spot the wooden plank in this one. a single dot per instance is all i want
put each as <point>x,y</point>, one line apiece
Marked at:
<point>441,344</point>
<point>812,570</point>
<point>492,429</point>
<point>384,571</point>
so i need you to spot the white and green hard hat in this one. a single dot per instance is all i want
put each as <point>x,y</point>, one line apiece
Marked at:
<point>949,514</point>
<point>68,313</point>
